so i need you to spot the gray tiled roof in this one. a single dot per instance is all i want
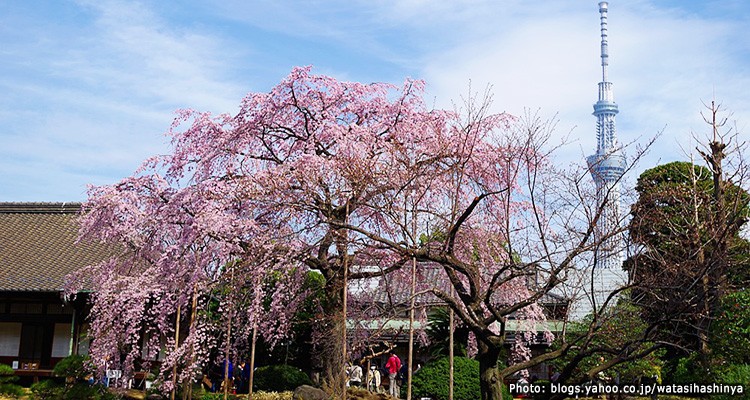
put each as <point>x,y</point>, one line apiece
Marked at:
<point>37,246</point>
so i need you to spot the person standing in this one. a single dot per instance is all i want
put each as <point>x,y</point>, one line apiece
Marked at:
<point>242,377</point>
<point>355,377</point>
<point>393,366</point>
<point>228,377</point>
<point>373,379</point>
<point>402,375</point>
<point>216,375</point>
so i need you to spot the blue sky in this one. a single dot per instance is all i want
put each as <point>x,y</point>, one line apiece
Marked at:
<point>88,88</point>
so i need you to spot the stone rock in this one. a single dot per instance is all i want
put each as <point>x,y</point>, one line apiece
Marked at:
<point>306,392</point>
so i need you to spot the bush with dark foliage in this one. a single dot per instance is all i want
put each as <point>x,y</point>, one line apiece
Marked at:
<point>279,378</point>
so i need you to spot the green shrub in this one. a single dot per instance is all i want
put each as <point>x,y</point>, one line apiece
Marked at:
<point>46,390</point>
<point>82,391</point>
<point>279,378</point>
<point>11,390</point>
<point>689,370</point>
<point>7,377</point>
<point>51,390</point>
<point>734,374</point>
<point>7,374</point>
<point>432,379</point>
<point>75,367</point>
<point>731,329</point>
<point>212,396</point>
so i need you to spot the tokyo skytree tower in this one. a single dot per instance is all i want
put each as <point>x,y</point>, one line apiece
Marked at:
<point>606,167</point>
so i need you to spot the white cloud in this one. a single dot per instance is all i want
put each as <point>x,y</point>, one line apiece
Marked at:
<point>135,51</point>
<point>90,86</point>
<point>98,97</point>
<point>662,65</point>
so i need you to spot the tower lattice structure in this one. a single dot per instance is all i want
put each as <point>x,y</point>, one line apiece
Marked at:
<point>607,166</point>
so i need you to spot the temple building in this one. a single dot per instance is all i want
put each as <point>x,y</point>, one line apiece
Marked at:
<point>38,248</point>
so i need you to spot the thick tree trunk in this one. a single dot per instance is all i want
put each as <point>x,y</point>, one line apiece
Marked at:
<point>333,362</point>
<point>330,351</point>
<point>490,381</point>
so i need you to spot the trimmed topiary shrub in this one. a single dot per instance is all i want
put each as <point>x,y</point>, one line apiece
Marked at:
<point>279,378</point>
<point>7,385</point>
<point>432,380</point>
<point>73,368</point>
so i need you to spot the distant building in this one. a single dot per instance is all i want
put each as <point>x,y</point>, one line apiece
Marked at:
<point>37,250</point>
<point>391,300</point>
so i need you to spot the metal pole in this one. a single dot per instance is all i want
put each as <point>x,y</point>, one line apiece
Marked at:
<point>188,393</point>
<point>229,336</point>
<point>450,350</point>
<point>176,346</point>
<point>410,362</point>
<point>343,323</point>
<point>252,362</point>
<point>73,345</point>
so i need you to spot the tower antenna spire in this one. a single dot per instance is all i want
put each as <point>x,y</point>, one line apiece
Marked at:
<point>603,7</point>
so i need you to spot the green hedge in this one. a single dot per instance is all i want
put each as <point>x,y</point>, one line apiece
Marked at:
<point>279,378</point>
<point>432,380</point>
